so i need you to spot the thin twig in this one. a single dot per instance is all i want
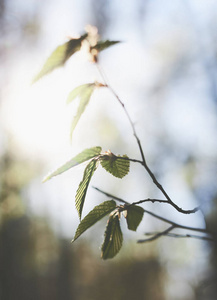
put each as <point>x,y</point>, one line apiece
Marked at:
<point>175,235</point>
<point>123,106</point>
<point>190,211</point>
<point>156,235</point>
<point>129,204</point>
<point>111,196</point>
<point>173,224</point>
<point>176,225</point>
<point>168,201</point>
<point>167,232</point>
<point>150,200</point>
<point>143,162</point>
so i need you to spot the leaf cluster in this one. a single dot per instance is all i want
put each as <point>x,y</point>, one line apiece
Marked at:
<point>61,55</point>
<point>63,52</point>
<point>116,165</point>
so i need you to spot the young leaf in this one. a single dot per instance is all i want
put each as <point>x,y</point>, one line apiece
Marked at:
<point>113,238</point>
<point>134,216</point>
<point>78,91</point>
<point>78,159</point>
<point>82,189</point>
<point>84,92</point>
<point>115,165</point>
<point>94,216</point>
<point>102,45</point>
<point>60,55</point>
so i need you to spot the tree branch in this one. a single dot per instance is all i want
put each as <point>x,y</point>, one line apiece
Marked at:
<point>175,235</point>
<point>134,203</point>
<point>189,211</point>
<point>167,232</point>
<point>143,162</point>
<point>111,196</point>
<point>173,224</point>
<point>156,235</point>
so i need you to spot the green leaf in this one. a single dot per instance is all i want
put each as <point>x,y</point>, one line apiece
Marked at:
<point>102,45</point>
<point>113,238</point>
<point>82,189</point>
<point>78,159</point>
<point>60,55</point>
<point>134,216</point>
<point>94,216</point>
<point>115,165</point>
<point>78,91</point>
<point>84,92</point>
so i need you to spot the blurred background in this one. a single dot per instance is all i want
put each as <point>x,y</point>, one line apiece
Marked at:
<point>165,71</point>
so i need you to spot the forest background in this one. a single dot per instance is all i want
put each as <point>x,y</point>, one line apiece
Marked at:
<point>165,72</point>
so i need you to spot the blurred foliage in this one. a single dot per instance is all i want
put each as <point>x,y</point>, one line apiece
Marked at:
<point>15,174</point>
<point>209,285</point>
<point>45,267</point>
<point>18,23</point>
<point>35,263</point>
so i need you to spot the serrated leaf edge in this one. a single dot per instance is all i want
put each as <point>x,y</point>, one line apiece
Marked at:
<point>82,190</point>
<point>98,217</point>
<point>111,236</point>
<point>110,157</point>
<point>60,170</point>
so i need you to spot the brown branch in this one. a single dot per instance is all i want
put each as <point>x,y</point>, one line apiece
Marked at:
<point>143,162</point>
<point>190,211</point>
<point>173,224</point>
<point>111,196</point>
<point>156,235</point>
<point>175,235</point>
<point>169,201</point>
<point>176,225</point>
<point>134,203</point>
